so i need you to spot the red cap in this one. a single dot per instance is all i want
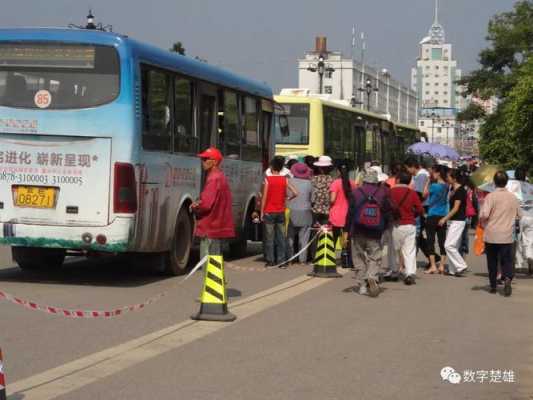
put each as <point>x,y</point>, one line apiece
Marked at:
<point>211,154</point>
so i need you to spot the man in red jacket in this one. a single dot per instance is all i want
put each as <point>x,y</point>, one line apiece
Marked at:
<point>214,217</point>
<point>408,204</point>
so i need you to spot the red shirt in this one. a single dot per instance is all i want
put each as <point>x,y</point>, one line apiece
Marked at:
<point>410,207</point>
<point>214,217</point>
<point>276,194</point>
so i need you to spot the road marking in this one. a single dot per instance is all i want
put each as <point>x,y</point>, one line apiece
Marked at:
<point>74,375</point>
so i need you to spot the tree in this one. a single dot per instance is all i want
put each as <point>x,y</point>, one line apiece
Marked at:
<point>177,47</point>
<point>506,72</point>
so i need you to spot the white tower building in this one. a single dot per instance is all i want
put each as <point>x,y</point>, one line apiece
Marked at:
<point>435,81</point>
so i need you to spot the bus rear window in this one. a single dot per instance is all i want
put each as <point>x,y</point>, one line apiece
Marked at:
<point>57,76</point>
<point>298,116</point>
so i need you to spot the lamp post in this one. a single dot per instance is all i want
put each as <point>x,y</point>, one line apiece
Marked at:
<point>321,68</point>
<point>448,124</point>
<point>90,21</point>
<point>386,74</point>
<point>434,118</point>
<point>368,89</point>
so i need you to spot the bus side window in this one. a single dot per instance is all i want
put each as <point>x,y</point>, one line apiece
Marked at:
<point>157,115</point>
<point>184,139</point>
<point>251,146</point>
<point>230,128</point>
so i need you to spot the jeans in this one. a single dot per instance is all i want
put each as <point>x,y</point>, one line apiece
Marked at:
<point>298,234</point>
<point>499,252</point>
<point>274,239</point>
<point>211,247</point>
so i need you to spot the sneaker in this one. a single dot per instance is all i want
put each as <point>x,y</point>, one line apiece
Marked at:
<point>409,280</point>
<point>284,266</point>
<point>363,291</point>
<point>269,264</point>
<point>493,290</point>
<point>507,289</point>
<point>373,288</point>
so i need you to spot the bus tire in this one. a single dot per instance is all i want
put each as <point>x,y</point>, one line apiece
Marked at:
<point>177,259</point>
<point>32,258</point>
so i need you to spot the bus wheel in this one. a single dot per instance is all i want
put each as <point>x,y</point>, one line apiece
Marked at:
<point>32,258</point>
<point>178,257</point>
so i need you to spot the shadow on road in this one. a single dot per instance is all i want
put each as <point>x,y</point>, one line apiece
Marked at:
<point>112,271</point>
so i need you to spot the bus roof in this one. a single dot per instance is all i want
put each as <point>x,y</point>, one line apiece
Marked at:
<point>334,104</point>
<point>155,55</point>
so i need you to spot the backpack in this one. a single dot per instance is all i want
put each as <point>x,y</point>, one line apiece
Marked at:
<point>369,214</point>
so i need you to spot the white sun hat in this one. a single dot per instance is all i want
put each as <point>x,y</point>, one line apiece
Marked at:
<point>323,161</point>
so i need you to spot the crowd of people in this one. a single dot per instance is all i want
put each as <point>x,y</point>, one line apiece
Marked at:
<point>414,209</point>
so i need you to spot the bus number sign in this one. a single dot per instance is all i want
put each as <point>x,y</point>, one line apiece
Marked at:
<point>43,99</point>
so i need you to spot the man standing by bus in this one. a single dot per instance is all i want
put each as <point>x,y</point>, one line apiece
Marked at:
<point>214,217</point>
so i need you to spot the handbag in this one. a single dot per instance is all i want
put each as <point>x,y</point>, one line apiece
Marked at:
<point>479,244</point>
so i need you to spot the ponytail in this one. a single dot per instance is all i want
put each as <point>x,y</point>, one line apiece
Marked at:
<point>346,185</point>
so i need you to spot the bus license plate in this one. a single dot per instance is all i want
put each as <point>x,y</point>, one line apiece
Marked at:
<point>35,197</point>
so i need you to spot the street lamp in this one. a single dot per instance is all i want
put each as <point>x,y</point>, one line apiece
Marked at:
<point>368,89</point>
<point>434,118</point>
<point>90,21</point>
<point>447,124</point>
<point>321,68</point>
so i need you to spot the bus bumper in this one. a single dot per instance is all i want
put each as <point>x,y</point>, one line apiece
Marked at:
<point>117,236</point>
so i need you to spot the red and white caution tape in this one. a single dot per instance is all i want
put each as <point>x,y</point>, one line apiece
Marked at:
<point>73,313</point>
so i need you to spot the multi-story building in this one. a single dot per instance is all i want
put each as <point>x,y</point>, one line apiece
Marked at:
<point>435,80</point>
<point>352,82</point>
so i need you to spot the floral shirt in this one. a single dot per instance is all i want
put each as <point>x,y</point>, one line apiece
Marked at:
<point>320,193</point>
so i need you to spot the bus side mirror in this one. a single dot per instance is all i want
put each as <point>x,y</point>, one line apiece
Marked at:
<point>284,126</point>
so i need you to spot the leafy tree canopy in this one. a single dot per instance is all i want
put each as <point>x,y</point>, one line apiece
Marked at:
<point>177,47</point>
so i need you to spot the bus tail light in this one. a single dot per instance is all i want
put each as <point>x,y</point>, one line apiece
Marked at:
<point>125,191</point>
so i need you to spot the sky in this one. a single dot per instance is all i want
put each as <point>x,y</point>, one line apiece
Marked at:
<point>264,39</point>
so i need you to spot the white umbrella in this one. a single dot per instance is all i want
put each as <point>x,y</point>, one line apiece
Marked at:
<point>522,190</point>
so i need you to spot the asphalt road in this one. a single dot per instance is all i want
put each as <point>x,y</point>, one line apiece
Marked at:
<point>295,337</point>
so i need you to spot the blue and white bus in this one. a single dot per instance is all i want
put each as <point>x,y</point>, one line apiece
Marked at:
<point>98,137</point>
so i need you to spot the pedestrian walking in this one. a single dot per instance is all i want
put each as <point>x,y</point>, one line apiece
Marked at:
<point>340,194</point>
<point>300,215</point>
<point>321,183</point>
<point>273,204</point>
<point>437,208</point>
<point>456,220</point>
<point>420,179</point>
<point>408,206</point>
<point>524,245</point>
<point>213,210</point>
<point>498,216</point>
<point>368,216</point>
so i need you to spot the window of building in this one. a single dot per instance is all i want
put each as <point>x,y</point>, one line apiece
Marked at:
<point>436,83</point>
<point>328,89</point>
<point>439,130</point>
<point>421,123</point>
<point>427,92</point>
<point>184,139</point>
<point>156,109</point>
<point>329,74</point>
<point>436,67</point>
<point>437,92</point>
<point>445,83</point>
<point>251,149</point>
<point>427,83</point>
<point>445,93</point>
<point>436,53</point>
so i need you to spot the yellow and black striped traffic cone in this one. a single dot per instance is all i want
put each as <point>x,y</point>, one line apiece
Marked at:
<point>325,263</point>
<point>214,304</point>
<point>2,379</point>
